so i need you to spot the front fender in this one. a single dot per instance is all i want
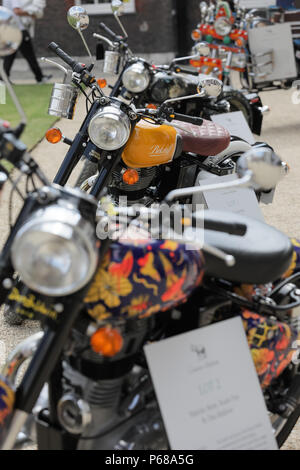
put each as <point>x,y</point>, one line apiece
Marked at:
<point>256,106</point>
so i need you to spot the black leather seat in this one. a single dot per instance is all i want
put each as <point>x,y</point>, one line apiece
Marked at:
<point>262,255</point>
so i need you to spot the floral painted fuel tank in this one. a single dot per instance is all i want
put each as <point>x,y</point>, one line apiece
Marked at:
<point>272,343</point>
<point>141,278</point>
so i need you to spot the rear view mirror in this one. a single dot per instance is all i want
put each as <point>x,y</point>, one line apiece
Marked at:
<point>10,40</point>
<point>265,166</point>
<point>10,34</point>
<point>117,7</point>
<point>78,18</point>
<point>202,49</point>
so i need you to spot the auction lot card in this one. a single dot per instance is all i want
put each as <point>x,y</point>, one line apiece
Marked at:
<point>257,3</point>
<point>276,39</point>
<point>208,390</point>
<point>241,201</point>
<point>236,124</point>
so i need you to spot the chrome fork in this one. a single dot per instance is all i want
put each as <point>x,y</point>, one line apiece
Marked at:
<point>19,355</point>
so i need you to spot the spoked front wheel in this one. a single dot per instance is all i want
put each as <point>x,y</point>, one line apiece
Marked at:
<point>89,169</point>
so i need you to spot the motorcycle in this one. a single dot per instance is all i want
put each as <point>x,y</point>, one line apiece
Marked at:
<point>152,84</point>
<point>87,385</point>
<point>225,28</point>
<point>154,159</point>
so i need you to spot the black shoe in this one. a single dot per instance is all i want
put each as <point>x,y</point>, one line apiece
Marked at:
<point>45,79</point>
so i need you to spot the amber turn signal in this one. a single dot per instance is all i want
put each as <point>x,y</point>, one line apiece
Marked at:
<point>130,177</point>
<point>102,82</point>
<point>196,34</point>
<point>240,42</point>
<point>151,106</point>
<point>53,135</point>
<point>106,341</point>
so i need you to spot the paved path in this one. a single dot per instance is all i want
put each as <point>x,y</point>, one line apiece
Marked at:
<point>281,130</point>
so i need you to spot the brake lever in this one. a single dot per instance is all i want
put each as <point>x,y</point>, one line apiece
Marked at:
<point>103,38</point>
<point>59,66</point>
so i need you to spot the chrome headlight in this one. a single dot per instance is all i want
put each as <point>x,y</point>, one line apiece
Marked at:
<point>223,26</point>
<point>136,78</point>
<point>55,252</point>
<point>110,128</point>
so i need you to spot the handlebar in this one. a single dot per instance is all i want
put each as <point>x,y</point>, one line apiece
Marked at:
<point>81,69</point>
<point>210,220</point>
<point>113,35</point>
<point>63,55</point>
<point>197,121</point>
<point>169,115</point>
<point>232,228</point>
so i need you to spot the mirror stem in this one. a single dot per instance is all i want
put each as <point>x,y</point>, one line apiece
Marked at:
<point>181,59</point>
<point>13,96</point>
<point>85,45</point>
<point>121,26</point>
<point>188,97</point>
<point>240,182</point>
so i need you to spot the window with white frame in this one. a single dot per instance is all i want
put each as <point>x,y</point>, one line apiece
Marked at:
<point>103,7</point>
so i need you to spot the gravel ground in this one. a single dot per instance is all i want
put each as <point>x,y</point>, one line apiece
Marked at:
<point>280,129</point>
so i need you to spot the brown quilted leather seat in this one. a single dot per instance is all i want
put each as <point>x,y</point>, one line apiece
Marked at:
<point>207,139</point>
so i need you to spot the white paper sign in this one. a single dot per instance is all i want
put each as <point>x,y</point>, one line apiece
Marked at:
<point>208,390</point>
<point>241,201</point>
<point>236,124</point>
<point>278,39</point>
<point>257,3</point>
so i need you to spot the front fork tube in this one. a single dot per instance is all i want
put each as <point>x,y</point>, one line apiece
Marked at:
<point>76,150</point>
<point>6,269</point>
<point>227,69</point>
<point>107,165</point>
<point>117,86</point>
<point>108,162</point>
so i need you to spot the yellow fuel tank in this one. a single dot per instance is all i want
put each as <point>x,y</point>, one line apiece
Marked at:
<point>150,145</point>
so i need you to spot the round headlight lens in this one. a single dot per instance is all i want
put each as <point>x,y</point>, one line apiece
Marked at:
<point>223,26</point>
<point>54,252</point>
<point>110,128</point>
<point>136,78</point>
